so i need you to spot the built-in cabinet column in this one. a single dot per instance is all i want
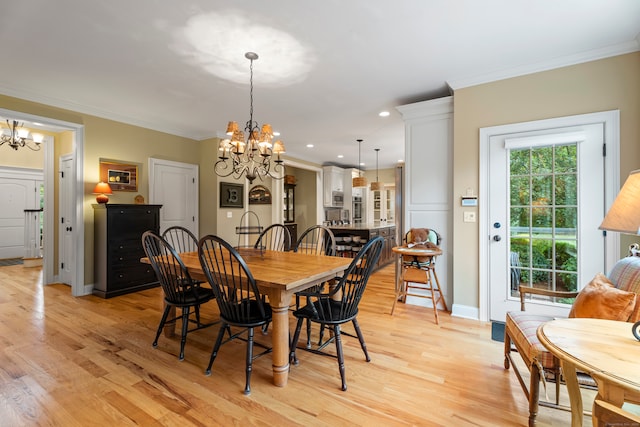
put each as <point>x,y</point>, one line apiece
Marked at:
<point>427,194</point>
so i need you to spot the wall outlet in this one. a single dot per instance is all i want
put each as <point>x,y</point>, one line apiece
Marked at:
<point>469,217</point>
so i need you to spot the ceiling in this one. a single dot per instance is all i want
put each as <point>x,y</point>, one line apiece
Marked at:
<point>326,68</point>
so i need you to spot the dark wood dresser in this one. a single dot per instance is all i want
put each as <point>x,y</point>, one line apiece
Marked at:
<point>117,238</point>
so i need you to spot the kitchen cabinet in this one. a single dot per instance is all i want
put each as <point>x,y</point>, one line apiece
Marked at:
<point>118,230</point>
<point>348,247</point>
<point>333,182</point>
<point>382,208</point>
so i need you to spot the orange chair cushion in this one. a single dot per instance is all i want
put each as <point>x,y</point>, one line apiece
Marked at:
<point>601,300</point>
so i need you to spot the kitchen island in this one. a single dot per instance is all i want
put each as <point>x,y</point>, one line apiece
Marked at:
<point>350,238</point>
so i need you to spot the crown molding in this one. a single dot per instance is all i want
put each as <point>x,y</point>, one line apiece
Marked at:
<point>105,114</point>
<point>565,61</point>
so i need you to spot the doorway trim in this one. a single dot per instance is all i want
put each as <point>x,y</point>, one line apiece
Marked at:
<point>611,121</point>
<point>78,286</point>
<point>319,192</point>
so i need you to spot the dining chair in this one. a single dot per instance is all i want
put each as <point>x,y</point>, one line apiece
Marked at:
<point>275,237</point>
<point>240,302</point>
<point>181,239</point>
<point>180,290</point>
<point>315,240</point>
<point>339,305</point>
<point>419,278</point>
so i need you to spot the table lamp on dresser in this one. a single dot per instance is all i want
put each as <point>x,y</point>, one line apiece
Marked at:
<point>102,189</point>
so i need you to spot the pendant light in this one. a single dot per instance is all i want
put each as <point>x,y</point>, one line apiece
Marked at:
<point>377,185</point>
<point>359,181</point>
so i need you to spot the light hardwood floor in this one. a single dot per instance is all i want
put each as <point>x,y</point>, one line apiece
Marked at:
<point>87,361</point>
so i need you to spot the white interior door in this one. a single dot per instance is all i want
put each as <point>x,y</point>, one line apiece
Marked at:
<point>546,201</point>
<point>19,190</point>
<point>174,185</point>
<point>66,221</point>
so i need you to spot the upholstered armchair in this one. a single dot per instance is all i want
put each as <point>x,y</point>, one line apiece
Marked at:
<point>606,297</point>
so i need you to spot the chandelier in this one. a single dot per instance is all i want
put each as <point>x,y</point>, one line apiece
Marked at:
<point>18,137</point>
<point>253,157</point>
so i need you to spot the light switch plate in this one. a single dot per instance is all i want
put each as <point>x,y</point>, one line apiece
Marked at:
<point>469,217</point>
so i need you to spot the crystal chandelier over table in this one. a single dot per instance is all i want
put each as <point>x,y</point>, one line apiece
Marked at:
<point>16,136</point>
<point>255,157</point>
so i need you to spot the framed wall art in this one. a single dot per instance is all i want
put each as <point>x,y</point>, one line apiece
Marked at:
<point>119,176</point>
<point>259,195</point>
<point>231,195</point>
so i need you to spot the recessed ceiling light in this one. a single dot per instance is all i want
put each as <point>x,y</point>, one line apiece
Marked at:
<point>37,124</point>
<point>384,114</point>
<point>340,156</point>
<point>361,163</point>
<point>276,133</point>
<point>309,145</point>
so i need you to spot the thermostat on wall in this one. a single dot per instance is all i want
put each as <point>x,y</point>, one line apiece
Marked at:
<point>469,201</point>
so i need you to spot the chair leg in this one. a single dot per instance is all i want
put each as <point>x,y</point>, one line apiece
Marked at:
<point>308,333</point>
<point>249,368</point>
<point>163,320</point>
<point>356,326</point>
<point>534,394</point>
<point>340,354</point>
<point>223,327</point>
<point>185,329</point>
<point>294,341</point>
<point>197,311</point>
<point>507,349</point>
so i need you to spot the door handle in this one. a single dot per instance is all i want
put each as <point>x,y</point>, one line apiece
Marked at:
<point>497,238</point>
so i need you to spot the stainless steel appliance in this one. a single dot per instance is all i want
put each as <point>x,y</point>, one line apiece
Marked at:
<point>337,199</point>
<point>357,210</point>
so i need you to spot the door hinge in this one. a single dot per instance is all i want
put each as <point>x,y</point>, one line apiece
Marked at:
<point>193,218</point>
<point>62,265</point>
<point>604,150</point>
<point>193,180</point>
<point>61,220</point>
<point>61,174</point>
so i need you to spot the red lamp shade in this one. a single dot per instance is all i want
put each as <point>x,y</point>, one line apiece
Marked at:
<point>102,189</point>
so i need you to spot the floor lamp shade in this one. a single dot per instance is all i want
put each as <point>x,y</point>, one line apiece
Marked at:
<point>624,215</point>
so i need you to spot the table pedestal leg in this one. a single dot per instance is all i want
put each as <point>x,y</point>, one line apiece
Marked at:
<point>573,389</point>
<point>280,337</point>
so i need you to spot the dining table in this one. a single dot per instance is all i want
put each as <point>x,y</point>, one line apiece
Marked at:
<point>279,275</point>
<point>604,349</point>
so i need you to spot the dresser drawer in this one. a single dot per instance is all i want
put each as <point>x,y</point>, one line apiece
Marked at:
<point>125,251</point>
<point>125,276</point>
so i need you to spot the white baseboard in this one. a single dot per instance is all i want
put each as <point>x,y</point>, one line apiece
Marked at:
<point>88,289</point>
<point>465,311</point>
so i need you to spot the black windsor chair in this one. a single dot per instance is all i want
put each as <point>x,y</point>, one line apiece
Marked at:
<point>322,308</point>
<point>240,302</point>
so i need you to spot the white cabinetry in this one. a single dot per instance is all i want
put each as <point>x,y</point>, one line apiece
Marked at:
<point>381,208</point>
<point>333,181</point>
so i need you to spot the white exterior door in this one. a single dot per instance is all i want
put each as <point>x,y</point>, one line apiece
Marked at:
<point>545,199</point>
<point>174,185</point>
<point>66,209</point>
<point>17,193</point>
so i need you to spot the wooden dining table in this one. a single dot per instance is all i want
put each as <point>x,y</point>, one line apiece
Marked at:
<point>604,349</point>
<point>279,275</point>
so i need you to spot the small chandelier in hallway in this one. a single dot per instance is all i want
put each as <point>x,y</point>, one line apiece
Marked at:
<point>16,136</point>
